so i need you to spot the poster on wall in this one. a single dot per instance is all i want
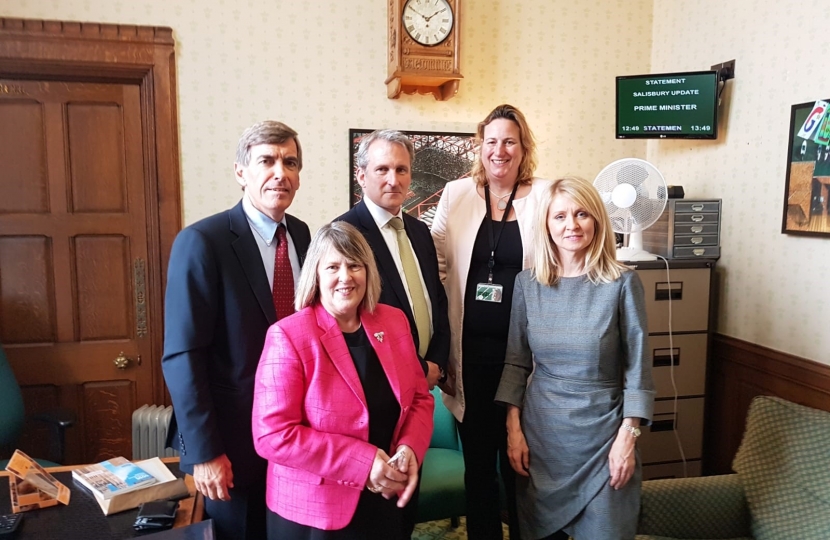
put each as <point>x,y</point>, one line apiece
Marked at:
<point>807,190</point>
<point>440,157</point>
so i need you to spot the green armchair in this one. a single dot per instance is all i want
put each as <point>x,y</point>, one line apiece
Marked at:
<point>442,476</point>
<point>781,490</point>
<point>13,419</point>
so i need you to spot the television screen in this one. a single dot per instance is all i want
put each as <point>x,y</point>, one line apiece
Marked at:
<point>668,106</point>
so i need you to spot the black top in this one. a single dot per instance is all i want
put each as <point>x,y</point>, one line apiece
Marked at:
<point>484,334</point>
<point>375,517</point>
<point>384,408</point>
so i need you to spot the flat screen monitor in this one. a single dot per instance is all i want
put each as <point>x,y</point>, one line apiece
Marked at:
<point>668,106</point>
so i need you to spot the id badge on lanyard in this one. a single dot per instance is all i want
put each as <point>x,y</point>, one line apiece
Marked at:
<point>493,292</point>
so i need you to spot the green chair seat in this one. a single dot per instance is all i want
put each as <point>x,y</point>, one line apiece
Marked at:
<point>442,476</point>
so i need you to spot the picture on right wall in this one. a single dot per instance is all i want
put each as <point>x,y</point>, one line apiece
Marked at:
<point>807,190</point>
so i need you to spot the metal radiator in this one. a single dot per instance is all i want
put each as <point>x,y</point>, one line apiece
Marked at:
<point>150,432</point>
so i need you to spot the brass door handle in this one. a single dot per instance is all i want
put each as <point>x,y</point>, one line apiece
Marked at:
<point>121,361</point>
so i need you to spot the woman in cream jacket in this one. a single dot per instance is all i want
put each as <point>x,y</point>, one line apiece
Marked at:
<point>489,213</point>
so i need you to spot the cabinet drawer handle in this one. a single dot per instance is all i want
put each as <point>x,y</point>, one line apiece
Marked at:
<point>664,290</point>
<point>697,207</point>
<point>697,240</point>
<point>662,425</point>
<point>697,217</point>
<point>666,357</point>
<point>699,252</point>
<point>697,229</point>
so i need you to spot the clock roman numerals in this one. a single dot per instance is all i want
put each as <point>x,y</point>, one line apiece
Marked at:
<point>428,22</point>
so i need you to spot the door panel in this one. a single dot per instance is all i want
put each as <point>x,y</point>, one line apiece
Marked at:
<point>23,179</point>
<point>72,226</point>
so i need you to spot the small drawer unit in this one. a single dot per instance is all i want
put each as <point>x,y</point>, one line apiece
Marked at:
<point>687,229</point>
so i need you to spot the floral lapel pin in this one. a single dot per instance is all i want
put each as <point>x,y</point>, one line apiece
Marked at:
<point>379,336</point>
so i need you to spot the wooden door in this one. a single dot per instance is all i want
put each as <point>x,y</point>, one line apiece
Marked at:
<point>73,255</point>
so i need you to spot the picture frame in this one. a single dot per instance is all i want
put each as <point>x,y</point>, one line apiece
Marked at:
<point>807,187</point>
<point>440,157</point>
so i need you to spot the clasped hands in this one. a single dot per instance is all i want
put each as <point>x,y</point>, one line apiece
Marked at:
<point>400,479</point>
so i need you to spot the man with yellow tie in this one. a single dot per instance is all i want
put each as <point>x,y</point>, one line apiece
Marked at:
<point>404,251</point>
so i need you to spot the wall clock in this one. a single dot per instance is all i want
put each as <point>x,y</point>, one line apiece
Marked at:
<point>424,46</point>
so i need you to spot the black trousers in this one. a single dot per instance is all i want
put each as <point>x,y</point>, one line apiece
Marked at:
<point>242,517</point>
<point>484,438</point>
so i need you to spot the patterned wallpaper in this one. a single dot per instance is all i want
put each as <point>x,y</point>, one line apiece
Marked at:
<point>320,66</point>
<point>773,288</point>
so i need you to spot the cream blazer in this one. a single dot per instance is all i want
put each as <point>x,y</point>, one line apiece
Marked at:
<point>457,220</point>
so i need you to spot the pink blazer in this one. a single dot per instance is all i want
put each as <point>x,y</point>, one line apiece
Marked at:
<point>310,419</point>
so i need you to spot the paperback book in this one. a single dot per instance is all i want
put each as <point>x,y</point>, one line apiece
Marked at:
<point>113,477</point>
<point>165,486</point>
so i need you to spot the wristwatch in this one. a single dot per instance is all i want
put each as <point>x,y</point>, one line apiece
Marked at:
<point>635,431</point>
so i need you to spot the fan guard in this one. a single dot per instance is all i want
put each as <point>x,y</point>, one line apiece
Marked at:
<point>634,193</point>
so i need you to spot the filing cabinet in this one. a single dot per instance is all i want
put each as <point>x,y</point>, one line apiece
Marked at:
<point>679,300</point>
<point>687,229</point>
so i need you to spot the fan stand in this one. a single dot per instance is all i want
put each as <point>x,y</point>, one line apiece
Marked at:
<point>634,251</point>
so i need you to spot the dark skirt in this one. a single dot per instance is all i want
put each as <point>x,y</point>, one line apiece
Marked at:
<point>374,518</point>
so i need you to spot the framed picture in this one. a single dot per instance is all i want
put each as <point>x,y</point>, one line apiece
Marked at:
<point>439,158</point>
<point>807,190</point>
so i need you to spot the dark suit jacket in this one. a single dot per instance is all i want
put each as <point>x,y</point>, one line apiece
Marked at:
<point>393,292</point>
<point>218,307</point>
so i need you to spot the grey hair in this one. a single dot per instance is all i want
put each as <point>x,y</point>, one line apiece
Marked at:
<point>388,135</point>
<point>349,242</point>
<point>267,132</point>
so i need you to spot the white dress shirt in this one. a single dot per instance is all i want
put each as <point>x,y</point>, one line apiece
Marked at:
<point>390,236</point>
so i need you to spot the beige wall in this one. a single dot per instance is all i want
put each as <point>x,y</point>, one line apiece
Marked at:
<point>775,287</point>
<point>319,65</point>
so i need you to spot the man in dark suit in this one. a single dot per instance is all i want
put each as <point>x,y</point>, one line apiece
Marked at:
<point>404,252</point>
<point>231,276</point>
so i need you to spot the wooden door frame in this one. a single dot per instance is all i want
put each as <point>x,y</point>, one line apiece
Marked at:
<point>123,54</point>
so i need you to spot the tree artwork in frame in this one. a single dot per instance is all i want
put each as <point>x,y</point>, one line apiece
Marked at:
<point>440,157</point>
<point>807,191</point>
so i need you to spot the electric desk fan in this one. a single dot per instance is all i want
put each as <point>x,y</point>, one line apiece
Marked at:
<point>634,193</point>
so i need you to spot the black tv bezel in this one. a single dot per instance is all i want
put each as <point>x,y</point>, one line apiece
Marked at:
<point>714,134</point>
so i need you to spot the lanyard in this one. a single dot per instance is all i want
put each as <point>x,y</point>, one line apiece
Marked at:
<point>494,239</point>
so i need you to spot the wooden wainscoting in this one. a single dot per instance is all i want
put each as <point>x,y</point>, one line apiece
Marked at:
<point>739,371</point>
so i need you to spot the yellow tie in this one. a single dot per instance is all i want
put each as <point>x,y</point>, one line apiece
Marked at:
<point>413,283</point>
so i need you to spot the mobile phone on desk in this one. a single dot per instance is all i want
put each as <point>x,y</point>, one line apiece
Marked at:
<point>9,524</point>
<point>394,461</point>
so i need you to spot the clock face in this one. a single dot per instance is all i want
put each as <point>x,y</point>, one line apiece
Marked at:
<point>428,22</point>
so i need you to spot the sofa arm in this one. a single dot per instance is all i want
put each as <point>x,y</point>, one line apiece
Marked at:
<point>711,507</point>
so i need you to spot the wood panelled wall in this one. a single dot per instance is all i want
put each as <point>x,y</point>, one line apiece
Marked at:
<point>739,371</point>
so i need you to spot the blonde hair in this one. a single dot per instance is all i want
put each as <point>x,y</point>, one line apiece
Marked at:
<point>528,165</point>
<point>601,263</point>
<point>348,242</point>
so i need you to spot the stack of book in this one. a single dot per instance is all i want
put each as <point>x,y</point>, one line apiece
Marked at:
<point>118,484</point>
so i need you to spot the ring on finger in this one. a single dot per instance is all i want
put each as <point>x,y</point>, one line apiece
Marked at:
<point>376,489</point>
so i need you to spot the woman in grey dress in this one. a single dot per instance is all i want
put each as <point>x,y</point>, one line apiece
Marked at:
<point>578,324</point>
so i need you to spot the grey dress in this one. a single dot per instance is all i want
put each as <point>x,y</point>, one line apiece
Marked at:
<point>586,347</point>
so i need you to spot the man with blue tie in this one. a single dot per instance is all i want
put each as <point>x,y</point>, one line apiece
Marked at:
<point>230,277</point>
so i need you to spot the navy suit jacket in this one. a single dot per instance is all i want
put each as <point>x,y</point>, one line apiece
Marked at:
<point>393,292</point>
<point>217,310</point>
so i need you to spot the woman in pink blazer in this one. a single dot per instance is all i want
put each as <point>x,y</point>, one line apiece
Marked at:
<point>338,390</point>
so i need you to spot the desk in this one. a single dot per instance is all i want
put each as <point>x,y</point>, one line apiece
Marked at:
<point>82,517</point>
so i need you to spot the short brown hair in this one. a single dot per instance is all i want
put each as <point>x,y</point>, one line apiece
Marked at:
<point>528,165</point>
<point>347,241</point>
<point>267,132</point>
